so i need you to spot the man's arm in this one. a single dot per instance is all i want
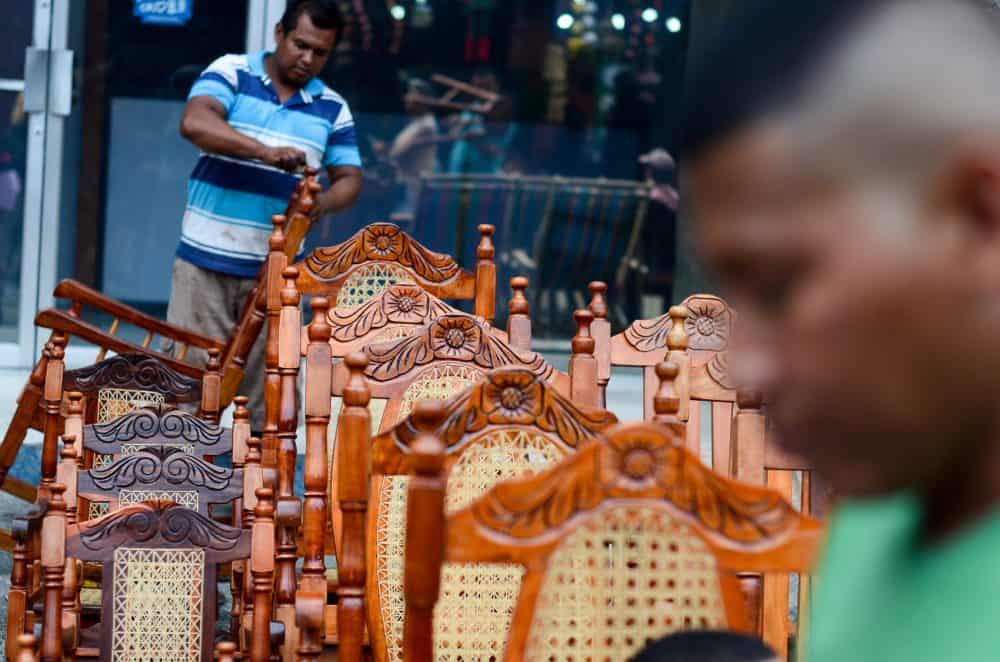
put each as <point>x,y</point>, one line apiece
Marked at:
<point>204,124</point>
<point>345,187</point>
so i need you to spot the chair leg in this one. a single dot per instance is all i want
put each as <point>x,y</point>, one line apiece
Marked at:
<point>27,407</point>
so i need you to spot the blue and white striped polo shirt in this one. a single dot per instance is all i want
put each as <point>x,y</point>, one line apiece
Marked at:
<point>230,202</point>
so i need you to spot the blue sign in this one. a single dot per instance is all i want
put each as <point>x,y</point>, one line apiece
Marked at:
<point>164,12</point>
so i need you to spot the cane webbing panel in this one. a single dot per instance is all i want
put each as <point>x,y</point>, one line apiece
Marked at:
<point>476,604</point>
<point>115,402</point>
<point>626,576</point>
<point>158,595</point>
<point>437,383</point>
<point>184,498</point>
<point>368,281</point>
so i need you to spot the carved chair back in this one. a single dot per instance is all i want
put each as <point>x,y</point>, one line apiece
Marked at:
<point>159,562</point>
<point>511,424</point>
<point>382,255</point>
<point>627,540</point>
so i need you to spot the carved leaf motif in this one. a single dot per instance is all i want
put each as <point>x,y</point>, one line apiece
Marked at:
<point>649,335</point>
<point>718,369</point>
<point>538,404</point>
<point>147,423</point>
<point>154,466</point>
<point>167,521</point>
<point>525,509</point>
<point>132,371</point>
<point>383,242</point>
<point>453,338</point>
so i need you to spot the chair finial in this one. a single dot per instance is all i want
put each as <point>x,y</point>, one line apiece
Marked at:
<point>518,302</point>
<point>677,338</point>
<point>356,392</point>
<point>666,404</point>
<point>583,341</point>
<point>598,300</point>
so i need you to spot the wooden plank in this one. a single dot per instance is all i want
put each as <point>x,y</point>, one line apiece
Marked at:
<point>722,430</point>
<point>776,624</point>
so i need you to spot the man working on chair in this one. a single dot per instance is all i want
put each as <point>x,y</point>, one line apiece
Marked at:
<point>259,119</point>
<point>845,165</point>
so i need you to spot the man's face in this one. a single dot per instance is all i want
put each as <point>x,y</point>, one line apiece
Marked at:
<point>302,53</point>
<point>856,313</point>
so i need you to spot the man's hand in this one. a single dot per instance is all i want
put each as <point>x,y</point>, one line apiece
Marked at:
<point>288,159</point>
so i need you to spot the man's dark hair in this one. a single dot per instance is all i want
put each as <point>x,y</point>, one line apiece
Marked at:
<point>325,15</point>
<point>706,646</point>
<point>757,62</point>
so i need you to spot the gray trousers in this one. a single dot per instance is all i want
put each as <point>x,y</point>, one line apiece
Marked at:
<point>209,303</point>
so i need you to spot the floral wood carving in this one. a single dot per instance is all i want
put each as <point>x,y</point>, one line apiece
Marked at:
<point>710,323</point>
<point>159,466</point>
<point>459,338</point>
<point>133,372</point>
<point>635,461</point>
<point>146,424</point>
<point>708,327</point>
<point>382,242</point>
<point>718,369</point>
<point>508,396</point>
<point>400,304</point>
<point>160,523</point>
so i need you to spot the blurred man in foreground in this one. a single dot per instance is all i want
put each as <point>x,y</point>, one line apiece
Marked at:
<point>845,162</point>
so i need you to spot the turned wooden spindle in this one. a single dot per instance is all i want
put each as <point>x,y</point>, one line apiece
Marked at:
<point>241,435</point>
<point>253,480</point>
<point>601,330</point>
<point>225,651</point>
<point>271,300</point>
<point>582,364</point>
<point>666,404</point>
<point>53,558</point>
<point>677,352</point>
<point>354,438</point>
<point>262,569</point>
<point>53,393</point>
<point>289,507</point>
<point>518,317</point>
<point>486,274</point>
<point>17,596</point>
<point>26,648</point>
<point>310,599</point>
<point>424,542</point>
<point>211,387</point>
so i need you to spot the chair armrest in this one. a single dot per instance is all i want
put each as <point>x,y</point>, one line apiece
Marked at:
<point>80,293</point>
<point>60,320</point>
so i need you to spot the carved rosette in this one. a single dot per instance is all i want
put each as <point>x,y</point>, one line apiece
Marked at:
<point>638,461</point>
<point>161,521</point>
<point>710,323</point>
<point>507,397</point>
<point>400,304</point>
<point>132,372</point>
<point>383,242</point>
<point>457,338</point>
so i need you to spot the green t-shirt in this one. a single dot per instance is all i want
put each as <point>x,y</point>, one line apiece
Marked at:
<point>883,596</point>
